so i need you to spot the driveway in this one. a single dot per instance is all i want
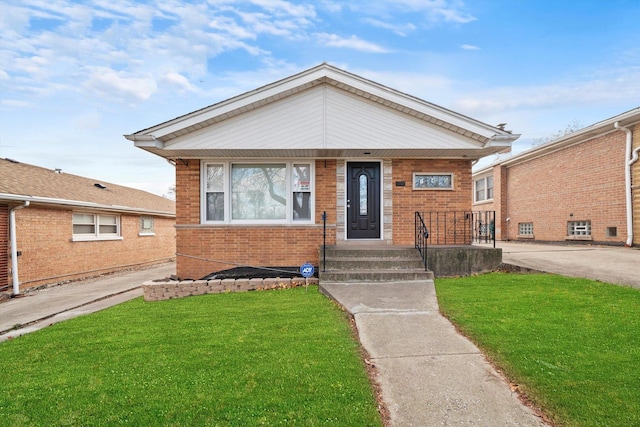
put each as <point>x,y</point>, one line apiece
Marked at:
<point>612,264</point>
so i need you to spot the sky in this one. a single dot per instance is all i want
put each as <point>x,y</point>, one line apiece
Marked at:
<point>75,76</point>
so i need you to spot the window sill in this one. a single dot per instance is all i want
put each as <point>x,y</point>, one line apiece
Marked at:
<point>146,234</point>
<point>94,239</point>
<point>525,236</point>
<point>580,238</point>
<point>483,202</point>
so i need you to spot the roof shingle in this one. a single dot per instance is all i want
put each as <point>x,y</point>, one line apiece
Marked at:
<point>22,179</point>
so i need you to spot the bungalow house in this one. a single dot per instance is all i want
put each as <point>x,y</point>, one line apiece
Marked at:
<point>56,227</point>
<point>263,178</point>
<point>582,187</point>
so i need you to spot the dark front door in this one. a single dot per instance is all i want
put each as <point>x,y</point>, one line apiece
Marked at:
<point>363,200</point>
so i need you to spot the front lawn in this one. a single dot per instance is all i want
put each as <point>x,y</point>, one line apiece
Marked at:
<point>572,345</point>
<point>286,357</point>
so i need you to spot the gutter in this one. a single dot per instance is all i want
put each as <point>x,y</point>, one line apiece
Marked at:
<point>85,205</point>
<point>631,156</point>
<point>14,247</point>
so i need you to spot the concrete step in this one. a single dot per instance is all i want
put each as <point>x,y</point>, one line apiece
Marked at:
<point>351,263</point>
<point>391,252</point>
<point>372,264</point>
<point>377,275</point>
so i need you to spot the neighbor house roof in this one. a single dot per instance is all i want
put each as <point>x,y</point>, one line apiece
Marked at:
<point>323,112</point>
<point>628,118</point>
<point>20,182</point>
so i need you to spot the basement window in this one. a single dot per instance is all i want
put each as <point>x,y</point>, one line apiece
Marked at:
<point>612,231</point>
<point>579,230</point>
<point>525,229</point>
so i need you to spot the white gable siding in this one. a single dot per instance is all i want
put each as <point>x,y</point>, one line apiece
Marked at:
<point>323,117</point>
<point>294,122</point>
<point>354,122</point>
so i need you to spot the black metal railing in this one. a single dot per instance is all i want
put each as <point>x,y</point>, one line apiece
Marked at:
<point>324,241</point>
<point>458,227</point>
<point>422,236</point>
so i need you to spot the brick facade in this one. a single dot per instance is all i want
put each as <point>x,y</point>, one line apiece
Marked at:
<point>406,200</point>
<point>49,256</point>
<point>206,248</point>
<point>580,182</point>
<point>4,247</point>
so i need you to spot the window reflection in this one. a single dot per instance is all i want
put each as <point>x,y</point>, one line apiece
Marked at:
<point>363,194</point>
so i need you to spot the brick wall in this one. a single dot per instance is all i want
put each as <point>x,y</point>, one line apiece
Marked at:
<point>578,183</point>
<point>202,247</point>
<point>49,256</point>
<point>406,200</point>
<point>4,246</point>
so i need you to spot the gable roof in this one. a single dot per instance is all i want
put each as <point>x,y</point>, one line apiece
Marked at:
<point>318,113</point>
<point>20,182</point>
<point>628,118</point>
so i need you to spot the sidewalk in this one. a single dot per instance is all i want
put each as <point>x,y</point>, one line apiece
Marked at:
<point>429,374</point>
<point>32,311</point>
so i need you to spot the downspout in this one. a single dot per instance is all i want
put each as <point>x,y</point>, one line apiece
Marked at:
<point>14,247</point>
<point>630,158</point>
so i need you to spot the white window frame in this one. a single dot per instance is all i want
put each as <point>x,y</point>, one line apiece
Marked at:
<point>485,191</point>
<point>96,235</point>
<point>420,187</point>
<point>143,231</point>
<point>228,208</point>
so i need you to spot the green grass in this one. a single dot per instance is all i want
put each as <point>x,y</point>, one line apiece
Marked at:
<point>572,345</point>
<point>286,357</point>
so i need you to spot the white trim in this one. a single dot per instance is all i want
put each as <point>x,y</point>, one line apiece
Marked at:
<point>228,167</point>
<point>346,217</point>
<point>96,235</point>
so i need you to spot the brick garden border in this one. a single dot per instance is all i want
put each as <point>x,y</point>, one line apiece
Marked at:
<point>172,289</point>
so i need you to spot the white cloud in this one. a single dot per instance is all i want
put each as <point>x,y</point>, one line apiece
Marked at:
<point>621,85</point>
<point>469,47</point>
<point>352,42</point>
<point>399,29</point>
<point>120,85</point>
<point>180,81</point>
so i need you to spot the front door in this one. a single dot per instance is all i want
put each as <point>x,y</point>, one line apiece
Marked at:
<point>363,200</point>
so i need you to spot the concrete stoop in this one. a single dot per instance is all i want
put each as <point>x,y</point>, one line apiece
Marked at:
<point>372,264</point>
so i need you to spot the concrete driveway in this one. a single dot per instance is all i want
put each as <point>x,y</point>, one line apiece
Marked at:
<point>610,264</point>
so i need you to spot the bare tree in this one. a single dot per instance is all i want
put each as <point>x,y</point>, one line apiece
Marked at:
<point>573,126</point>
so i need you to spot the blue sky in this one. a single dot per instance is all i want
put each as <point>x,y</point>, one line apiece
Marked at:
<point>76,76</point>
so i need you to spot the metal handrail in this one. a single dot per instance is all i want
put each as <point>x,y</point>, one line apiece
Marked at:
<point>324,241</point>
<point>459,227</point>
<point>421,238</point>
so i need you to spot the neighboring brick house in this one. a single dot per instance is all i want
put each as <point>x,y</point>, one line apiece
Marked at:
<point>582,187</point>
<point>255,173</point>
<point>68,227</point>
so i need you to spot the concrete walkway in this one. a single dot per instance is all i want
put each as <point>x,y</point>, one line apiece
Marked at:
<point>35,310</point>
<point>429,374</point>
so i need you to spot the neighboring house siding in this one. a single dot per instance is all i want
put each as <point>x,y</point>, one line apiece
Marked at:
<point>200,248</point>
<point>4,246</point>
<point>583,182</point>
<point>49,256</point>
<point>406,200</point>
<point>635,176</point>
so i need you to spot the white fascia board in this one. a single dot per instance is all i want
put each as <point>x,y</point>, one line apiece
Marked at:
<point>81,204</point>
